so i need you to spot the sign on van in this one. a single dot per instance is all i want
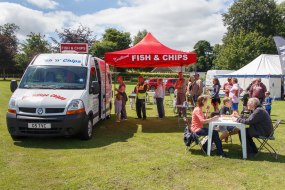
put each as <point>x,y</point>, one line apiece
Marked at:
<point>71,47</point>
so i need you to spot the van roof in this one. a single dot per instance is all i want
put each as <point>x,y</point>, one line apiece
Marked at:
<point>66,59</point>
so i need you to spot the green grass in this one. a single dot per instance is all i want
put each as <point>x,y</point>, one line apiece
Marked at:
<point>133,154</point>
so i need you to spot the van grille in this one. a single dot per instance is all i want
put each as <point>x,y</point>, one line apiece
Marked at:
<point>47,110</point>
<point>28,110</point>
<point>54,110</point>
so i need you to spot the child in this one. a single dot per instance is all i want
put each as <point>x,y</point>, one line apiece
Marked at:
<point>227,130</point>
<point>267,102</point>
<point>118,106</point>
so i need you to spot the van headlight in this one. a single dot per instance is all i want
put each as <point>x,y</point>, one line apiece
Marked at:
<point>12,106</point>
<point>75,107</point>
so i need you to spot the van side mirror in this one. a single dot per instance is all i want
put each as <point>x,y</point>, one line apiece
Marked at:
<point>13,85</point>
<point>94,89</point>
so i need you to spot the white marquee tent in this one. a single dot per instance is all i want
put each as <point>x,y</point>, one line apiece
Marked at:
<point>267,67</point>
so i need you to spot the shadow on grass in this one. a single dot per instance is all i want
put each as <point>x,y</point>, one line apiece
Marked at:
<point>234,151</point>
<point>105,133</point>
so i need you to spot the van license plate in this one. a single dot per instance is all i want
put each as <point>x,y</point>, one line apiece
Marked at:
<point>39,125</point>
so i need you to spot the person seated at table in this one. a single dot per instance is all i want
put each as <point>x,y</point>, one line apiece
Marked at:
<point>227,130</point>
<point>259,122</point>
<point>199,119</point>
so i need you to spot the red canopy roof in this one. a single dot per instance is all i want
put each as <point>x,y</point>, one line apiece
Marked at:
<point>149,52</point>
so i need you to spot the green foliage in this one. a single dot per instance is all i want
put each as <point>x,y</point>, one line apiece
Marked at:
<point>240,49</point>
<point>8,46</point>
<point>33,45</point>
<point>82,34</point>
<point>261,16</point>
<point>133,76</point>
<point>140,35</point>
<point>112,40</point>
<point>251,25</point>
<point>204,52</point>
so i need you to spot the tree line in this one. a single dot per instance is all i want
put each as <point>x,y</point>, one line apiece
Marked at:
<point>250,24</point>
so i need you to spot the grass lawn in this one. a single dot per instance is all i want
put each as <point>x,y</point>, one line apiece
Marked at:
<point>133,154</point>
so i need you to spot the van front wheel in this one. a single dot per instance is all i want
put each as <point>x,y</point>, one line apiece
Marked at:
<point>87,131</point>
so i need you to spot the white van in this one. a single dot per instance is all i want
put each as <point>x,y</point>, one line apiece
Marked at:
<point>60,95</point>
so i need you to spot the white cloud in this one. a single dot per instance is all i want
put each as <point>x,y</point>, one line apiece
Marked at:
<point>44,4</point>
<point>30,20</point>
<point>177,24</point>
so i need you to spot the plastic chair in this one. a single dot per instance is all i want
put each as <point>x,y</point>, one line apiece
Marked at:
<point>190,138</point>
<point>264,141</point>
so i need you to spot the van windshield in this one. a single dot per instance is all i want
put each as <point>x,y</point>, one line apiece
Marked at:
<point>54,77</point>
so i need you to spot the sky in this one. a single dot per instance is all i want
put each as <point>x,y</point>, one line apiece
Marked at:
<point>178,24</point>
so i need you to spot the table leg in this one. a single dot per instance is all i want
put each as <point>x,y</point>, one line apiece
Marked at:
<point>243,141</point>
<point>210,133</point>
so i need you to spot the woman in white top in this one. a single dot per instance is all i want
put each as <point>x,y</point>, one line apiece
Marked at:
<point>159,96</point>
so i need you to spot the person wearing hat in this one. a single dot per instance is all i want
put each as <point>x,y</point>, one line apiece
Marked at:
<point>140,91</point>
<point>180,86</point>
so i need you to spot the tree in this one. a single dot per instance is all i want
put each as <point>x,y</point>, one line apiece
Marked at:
<point>261,16</point>
<point>140,35</point>
<point>112,40</point>
<point>8,46</point>
<point>204,52</point>
<point>240,49</point>
<point>80,35</point>
<point>33,45</point>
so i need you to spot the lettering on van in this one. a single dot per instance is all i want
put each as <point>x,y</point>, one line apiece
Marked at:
<point>71,61</point>
<point>56,96</point>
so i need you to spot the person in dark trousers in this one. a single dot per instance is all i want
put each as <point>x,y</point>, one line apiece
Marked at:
<point>259,122</point>
<point>122,90</point>
<point>159,96</point>
<point>140,91</point>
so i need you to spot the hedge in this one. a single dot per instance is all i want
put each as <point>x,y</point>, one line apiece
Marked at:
<point>133,77</point>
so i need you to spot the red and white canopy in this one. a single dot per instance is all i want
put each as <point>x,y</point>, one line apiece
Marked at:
<point>149,52</point>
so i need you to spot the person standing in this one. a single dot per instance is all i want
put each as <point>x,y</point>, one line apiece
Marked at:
<point>159,96</point>
<point>215,94</point>
<point>140,91</point>
<point>235,91</point>
<point>189,90</point>
<point>180,86</point>
<point>197,88</point>
<point>257,90</point>
<point>122,90</point>
<point>227,86</point>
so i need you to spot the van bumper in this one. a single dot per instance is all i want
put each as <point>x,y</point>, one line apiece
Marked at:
<point>61,125</point>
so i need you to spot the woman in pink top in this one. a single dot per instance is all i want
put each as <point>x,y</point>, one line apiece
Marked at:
<point>198,119</point>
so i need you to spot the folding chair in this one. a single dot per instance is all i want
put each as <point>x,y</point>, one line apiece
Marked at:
<point>191,138</point>
<point>264,141</point>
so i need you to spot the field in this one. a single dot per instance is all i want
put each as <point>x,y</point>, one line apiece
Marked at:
<point>133,154</point>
